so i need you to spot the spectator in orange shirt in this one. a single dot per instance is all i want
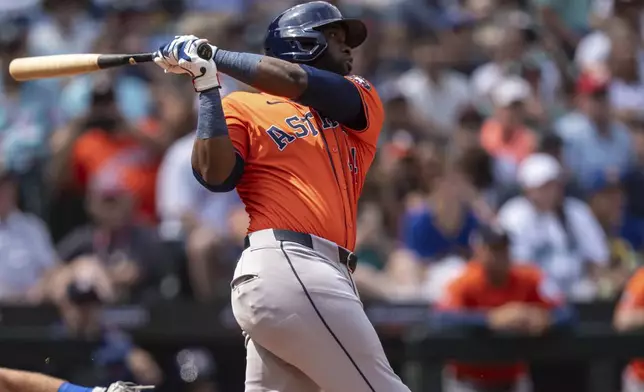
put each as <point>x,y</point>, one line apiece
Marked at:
<point>505,136</point>
<point>494,294</point>
<point>630,316</point>
<point>103,144</point>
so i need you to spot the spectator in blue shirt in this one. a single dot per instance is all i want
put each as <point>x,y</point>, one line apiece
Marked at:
<point>594,141</point>
<point>28,114</point>
<point>441,225</point>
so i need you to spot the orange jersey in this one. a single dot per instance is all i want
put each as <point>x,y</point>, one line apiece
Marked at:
<point>98,153</point>
<point>303,172</point>
<point>472,291</point>
<point>521,144</point>
<point>633,298</point>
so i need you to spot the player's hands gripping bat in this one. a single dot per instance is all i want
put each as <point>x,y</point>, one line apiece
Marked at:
<point>182,56</point>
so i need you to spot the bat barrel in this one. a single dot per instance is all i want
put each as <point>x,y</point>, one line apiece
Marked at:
<point>29,68</point>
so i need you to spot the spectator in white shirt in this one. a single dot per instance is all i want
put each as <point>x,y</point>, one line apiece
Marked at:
<point>27,254</point>
<point>558,233</point>
<point>433,90</point>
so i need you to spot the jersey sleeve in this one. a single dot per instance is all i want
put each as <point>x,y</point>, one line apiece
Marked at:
<point>373,109</point>
<point>238,126</point>
<point>633,295</point>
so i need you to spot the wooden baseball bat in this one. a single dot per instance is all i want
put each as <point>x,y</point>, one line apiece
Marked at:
<point>41,67</point>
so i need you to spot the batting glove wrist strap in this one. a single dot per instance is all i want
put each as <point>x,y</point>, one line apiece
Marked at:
<point>181,56</point>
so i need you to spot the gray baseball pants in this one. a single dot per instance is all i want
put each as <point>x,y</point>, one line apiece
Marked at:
<point>304,323</point>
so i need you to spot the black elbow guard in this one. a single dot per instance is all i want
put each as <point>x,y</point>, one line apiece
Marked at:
<point>229,183</point>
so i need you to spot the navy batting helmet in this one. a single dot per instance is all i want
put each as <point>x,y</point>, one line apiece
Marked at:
<point>295,34</point>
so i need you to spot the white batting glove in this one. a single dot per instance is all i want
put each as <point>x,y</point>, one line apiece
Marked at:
<point>180,57</point>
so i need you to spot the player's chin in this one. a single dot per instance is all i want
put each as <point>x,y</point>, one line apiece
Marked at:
<point>347,68</point>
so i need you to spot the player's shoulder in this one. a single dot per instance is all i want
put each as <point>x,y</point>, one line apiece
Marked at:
<point>361,81</point>
<point>364,85</point>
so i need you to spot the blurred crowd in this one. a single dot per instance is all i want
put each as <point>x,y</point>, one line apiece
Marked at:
<point>526,114</point>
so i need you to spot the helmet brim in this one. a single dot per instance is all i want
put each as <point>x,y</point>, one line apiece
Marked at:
<point>356,32</point>
<point>355,28</point>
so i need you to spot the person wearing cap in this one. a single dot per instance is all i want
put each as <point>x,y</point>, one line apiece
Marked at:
<point>594,141</point>
<point>624,231</point>
<point>496,294</point>
<point>558,233</point>
<point>505,135</point>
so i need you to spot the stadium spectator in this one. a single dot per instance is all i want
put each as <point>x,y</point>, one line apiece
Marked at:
<point>116,356</point>
<point>557,233</point>
<point>440,225</point>
<point>466,134</point>
<point>27,255</point>
<point>405,125</point>
<point>553,145</point>
<point>435,231</point>
<point>624,232</point>
<point>505,136</point>
<point>28,114</point>
<point>480,188</point>
<point>129,254</point>
<point>594,141</point>
<point>64,27</point>
<point>568,20</point>
<point>103,143</point>
<point>517,51</point>
<point>625,64</point>
<point>634,177</point>
<point>494,293</point>
<point>432,88</point>
<point>373,248</point>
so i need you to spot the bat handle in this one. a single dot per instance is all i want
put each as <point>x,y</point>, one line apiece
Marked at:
<point>204,51</point>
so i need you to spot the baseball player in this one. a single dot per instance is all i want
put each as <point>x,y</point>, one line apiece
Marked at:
<point>298,153</point>
<point>21,381</point>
